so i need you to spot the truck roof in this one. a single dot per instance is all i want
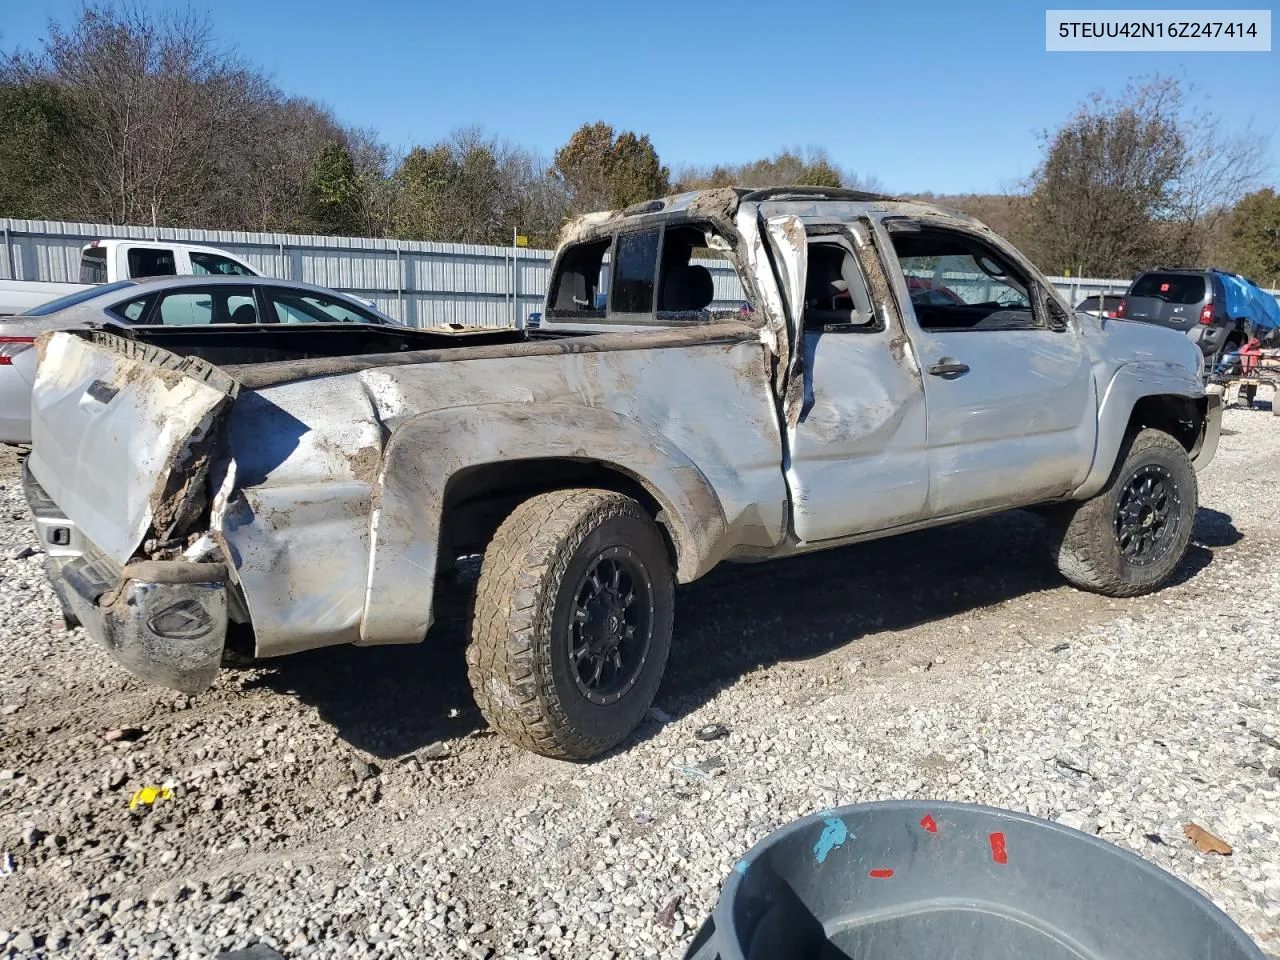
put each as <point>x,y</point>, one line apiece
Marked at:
<point>725,201</point>
<point>109,243</point>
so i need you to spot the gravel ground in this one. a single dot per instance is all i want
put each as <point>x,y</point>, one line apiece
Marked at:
<point>350,802</point>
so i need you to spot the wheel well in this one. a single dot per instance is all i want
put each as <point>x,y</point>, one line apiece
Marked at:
<point>477,499</point>
<point>1180,417</point>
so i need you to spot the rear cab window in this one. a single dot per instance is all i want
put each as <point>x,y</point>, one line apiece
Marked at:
<point>1186,288</point>
<point>93,265</point>
<point>665,275</point>
<point>636,272</point>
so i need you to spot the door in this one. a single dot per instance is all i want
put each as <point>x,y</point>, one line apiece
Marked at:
<point>856,459</point>
<point>192,307</point>
<point>151,262</point>
<point>1008,387</point>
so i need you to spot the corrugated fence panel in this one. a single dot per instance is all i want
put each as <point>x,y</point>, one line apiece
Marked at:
<point>425,284</point>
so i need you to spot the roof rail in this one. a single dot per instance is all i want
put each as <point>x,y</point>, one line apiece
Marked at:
<point>810,193</point>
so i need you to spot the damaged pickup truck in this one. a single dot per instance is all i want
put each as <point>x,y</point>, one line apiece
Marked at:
<point>897,366</point>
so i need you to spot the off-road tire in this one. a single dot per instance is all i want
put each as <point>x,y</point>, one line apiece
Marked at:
<point>1083,537</point>
<point>518,657</point>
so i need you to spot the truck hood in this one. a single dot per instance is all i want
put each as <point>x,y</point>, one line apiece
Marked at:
<point>1115,343</point>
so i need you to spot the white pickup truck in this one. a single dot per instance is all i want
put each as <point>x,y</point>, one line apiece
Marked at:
<point>106,261</point>
<point>897,366</point>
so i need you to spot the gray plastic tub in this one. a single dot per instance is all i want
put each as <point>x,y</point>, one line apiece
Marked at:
<point>909,880</point>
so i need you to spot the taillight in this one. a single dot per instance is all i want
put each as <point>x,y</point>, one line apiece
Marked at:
<point>1206,314</point>
<point>1121,307</point>
<point>10,347</point>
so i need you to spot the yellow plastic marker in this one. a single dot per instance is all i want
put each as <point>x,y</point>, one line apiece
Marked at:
<point>149,795</point>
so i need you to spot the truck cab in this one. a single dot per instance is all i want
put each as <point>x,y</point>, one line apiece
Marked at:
<point>105,261</point>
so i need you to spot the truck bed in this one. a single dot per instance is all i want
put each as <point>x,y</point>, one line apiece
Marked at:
<point>281,343</point>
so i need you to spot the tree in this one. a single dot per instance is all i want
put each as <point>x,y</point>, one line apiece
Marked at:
<point>334,192</point>
<point>1253,230</point>
<point>153,120</point>
<point>474,189</point>
<point>791,167</point>
<point>1108,175</point>
<point>600,171</point>
<point>1135,180</point>
<point>38,122</point>
<point>635,173</point>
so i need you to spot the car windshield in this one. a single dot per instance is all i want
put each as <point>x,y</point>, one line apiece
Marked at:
<point>80,296</point>
<point>1170,287</point>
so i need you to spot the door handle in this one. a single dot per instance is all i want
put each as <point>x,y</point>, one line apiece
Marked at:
<point>948,369</point>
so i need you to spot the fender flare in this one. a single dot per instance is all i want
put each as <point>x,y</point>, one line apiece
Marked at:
<point>1131,383</point>
<point>426,451</point>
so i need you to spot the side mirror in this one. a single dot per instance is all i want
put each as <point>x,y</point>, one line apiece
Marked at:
<point>1058,319</point>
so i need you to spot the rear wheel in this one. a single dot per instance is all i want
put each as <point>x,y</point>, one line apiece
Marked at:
<point>1129,538</point>
<point>572,622</point>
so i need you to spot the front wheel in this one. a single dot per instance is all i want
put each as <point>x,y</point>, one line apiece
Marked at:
<point>572,622</point>
<point>1130,538</point>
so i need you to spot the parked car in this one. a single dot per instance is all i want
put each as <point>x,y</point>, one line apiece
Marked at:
<point>1217,310</point>
<point>636,442</point>
<point>110,261</point>
<point>208,301</point>
<point>1100,304</point>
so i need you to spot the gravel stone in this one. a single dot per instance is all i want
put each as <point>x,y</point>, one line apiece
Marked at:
<point>951,664</point>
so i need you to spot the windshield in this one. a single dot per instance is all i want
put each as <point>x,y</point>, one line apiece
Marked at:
<point>80,296</point>
<point>1170,287</point>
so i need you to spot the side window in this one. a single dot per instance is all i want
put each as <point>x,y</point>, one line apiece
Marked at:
<point>580,288</point>
<point>133,311</point>
<point>149,262</point>
<point>295,306</point>
<point>635,272</point>
<point>835,291</point>
<point>209,305</point>
<point>212,263</point>
<point>957,282</point>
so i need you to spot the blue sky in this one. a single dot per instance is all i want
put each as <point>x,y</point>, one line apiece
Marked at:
<point>925,95</point>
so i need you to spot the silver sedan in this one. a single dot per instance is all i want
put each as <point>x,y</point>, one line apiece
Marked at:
<point>167,301</point>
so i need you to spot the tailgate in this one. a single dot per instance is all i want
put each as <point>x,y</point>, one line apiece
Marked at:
<point>1178,316</point>
<point>121,434</point>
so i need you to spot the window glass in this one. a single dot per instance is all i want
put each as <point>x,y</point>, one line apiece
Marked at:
<point>958,283</point>
<point>80,296</point>
<point>133,310</point>
<point>93,265</point>
<point>296,306</point>
<point>210,305</point>
<point>686,284</point>
<point>637,261</point>
<point>148,262</point>
<point>1170,287</point>
<point>835,294</point>
<point>580,289</point>
<point>212,263</point>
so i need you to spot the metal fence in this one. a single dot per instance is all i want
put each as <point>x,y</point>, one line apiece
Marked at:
<point>423,284</point>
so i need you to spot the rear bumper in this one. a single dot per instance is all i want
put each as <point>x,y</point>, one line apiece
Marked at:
<point>1208,338</point>
<point>163,621</point>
